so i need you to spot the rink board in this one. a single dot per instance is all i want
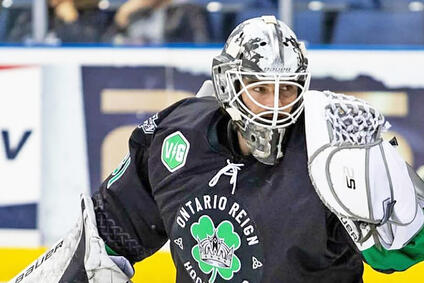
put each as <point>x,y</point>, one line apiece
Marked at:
<point>160,269</point>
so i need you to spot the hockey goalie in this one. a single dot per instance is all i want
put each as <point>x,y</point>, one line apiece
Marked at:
<point>257,179</point>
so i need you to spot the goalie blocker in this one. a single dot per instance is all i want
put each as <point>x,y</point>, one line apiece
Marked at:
<point>79,257</point>
<point>360,177</point>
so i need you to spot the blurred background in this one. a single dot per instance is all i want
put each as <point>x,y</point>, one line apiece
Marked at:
<point>76,76</point>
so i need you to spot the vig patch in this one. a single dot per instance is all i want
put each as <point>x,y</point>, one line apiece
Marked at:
<point>174,153</point>
<point>217,241</point>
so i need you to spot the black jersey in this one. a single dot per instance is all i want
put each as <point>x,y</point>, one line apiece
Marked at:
<point>228,218</point>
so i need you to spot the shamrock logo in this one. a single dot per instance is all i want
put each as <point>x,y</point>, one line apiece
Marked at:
<point>215,248</point>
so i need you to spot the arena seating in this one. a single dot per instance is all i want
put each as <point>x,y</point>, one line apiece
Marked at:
<point>379,27</point>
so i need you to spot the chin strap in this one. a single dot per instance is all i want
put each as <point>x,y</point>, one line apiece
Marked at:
<point>231,169</point>
<point>232,139</point>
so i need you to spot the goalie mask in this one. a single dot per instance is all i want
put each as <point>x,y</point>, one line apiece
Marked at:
<point>262,54</point>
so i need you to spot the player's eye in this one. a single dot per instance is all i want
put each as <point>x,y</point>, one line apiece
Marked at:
<point>286,87</point>
<point>287,90</point>
<point>261,89</point>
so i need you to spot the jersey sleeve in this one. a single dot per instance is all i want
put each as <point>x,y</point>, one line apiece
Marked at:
<point>388,261</point>
<point>340,247</point>
<point>380,259</point>
<point>127,216</point>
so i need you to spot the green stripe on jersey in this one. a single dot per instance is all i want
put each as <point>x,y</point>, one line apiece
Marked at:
<point>109,251</point>
<point>397,260</point>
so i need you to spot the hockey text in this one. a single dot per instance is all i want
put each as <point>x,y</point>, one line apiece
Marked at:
<point>192,273</point>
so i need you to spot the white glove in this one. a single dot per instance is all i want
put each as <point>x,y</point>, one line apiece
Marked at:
<point>357,175</point>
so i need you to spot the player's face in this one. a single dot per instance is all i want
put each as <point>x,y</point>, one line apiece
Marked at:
<point>264,94</point>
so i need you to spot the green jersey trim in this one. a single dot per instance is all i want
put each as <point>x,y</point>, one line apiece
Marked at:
<point>109,251</point>
<point>397,260</point>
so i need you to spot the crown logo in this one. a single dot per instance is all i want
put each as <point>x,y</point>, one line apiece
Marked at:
<point>214,251</point>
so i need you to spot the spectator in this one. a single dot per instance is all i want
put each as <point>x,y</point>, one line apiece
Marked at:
<point>159,21</point>
<point>78,20</point>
